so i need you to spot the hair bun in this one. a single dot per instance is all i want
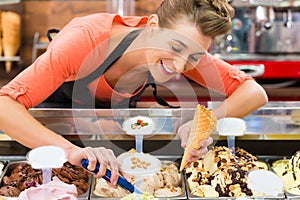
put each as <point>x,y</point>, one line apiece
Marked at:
<point>221,7</point>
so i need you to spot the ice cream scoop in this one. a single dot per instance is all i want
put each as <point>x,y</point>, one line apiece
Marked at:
<point>122,182</point>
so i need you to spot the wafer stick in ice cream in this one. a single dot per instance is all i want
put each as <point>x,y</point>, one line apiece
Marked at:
<point>203,125</point>
<point>10,24</point>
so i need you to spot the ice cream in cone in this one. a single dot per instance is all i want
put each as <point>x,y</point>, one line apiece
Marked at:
<point>203,125</point>
<point>10,24</point>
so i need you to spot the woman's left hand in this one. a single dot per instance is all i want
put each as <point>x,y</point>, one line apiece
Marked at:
<point>195,154</point>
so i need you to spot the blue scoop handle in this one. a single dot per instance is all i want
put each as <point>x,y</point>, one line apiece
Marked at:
<point>121,180</point>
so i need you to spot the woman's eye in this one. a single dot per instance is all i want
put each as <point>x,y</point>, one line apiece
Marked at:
<point>176,49</point>
<point>195,58</point>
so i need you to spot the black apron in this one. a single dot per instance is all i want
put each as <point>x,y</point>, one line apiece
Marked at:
<point>75,94</point>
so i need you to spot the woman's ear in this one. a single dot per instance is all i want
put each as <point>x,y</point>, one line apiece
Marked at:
<point>152,21</point>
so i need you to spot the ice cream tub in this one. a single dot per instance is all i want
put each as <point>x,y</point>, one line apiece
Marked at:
<point>222,175</point>
<point>158,183</point>
<point>19,175</point>
<point>289,174</point>
<point>207,189</point>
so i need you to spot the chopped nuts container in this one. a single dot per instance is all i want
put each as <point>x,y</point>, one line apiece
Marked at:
<point>165,161</point>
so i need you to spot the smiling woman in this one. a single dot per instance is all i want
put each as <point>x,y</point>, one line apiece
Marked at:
<point>177,50</point>
<point>106,60</point>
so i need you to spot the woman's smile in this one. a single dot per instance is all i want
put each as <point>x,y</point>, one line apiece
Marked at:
<point>167,71</point>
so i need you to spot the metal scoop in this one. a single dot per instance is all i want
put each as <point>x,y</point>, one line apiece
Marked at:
<point>122,182</point>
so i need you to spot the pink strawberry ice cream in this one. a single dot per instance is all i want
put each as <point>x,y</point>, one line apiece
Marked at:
<point>53,190</point>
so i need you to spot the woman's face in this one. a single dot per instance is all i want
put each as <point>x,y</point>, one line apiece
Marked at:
<point>173,51</point>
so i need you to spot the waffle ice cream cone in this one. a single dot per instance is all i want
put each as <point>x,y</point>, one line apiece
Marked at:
<point>10,24</point>
<point>203,125</point>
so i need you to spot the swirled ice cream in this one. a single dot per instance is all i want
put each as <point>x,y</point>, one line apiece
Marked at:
<point>289,171</point>
<point>221,174</point>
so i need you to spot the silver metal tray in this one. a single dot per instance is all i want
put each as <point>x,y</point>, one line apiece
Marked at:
<point>12,165</point>
<point>164,159</point>
<point>291,196</point>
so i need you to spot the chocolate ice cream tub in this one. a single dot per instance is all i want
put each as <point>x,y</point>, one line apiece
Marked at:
<point>20,182</point>
<point>164,161</point>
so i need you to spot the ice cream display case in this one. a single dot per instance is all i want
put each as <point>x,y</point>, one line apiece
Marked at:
<point>271,140</point>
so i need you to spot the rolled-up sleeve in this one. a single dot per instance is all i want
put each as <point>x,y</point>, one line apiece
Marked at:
<point>29,89</point>
<point>15,91</point>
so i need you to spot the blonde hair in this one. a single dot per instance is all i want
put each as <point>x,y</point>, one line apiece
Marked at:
<point>212,17</point>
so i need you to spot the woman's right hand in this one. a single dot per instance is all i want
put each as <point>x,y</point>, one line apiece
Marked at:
<point>105,157</point>
<point>195,154</point>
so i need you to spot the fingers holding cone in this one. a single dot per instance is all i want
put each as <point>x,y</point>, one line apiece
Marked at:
<point>203,125</point>
<point>10,28</point>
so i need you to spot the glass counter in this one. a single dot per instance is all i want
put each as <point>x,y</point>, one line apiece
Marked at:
<point>273,129</point>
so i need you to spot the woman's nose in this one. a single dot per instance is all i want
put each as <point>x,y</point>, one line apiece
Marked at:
<point>179,65</point>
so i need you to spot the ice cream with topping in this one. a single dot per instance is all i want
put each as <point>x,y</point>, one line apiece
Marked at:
<point>166,182</point>
<point>221,174</point>
<point>289,171</point>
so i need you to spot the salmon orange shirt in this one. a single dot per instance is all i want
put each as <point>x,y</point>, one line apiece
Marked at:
<point>80,47</point>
